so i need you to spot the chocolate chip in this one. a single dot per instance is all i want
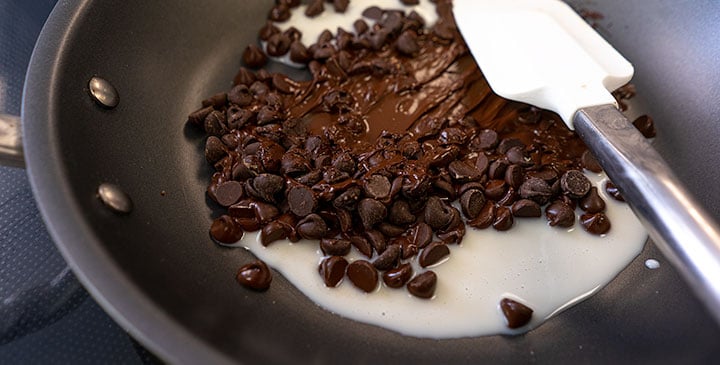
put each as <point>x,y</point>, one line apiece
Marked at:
<point>645,125</point>
<point>255,275</point>
<point>344,162</point>
<point>444,188</point>
<point>486,216</point>
<point>613,191</point>
<point>278,45</point>
<point>399,276</point>
<point>421,235</point>
<point>248,224</point>
<point>415,20</point>
<point>503,219</point>
<point>433,253</point>
<point>312,227</point>
<point>592,202</point>
<point>214,123</point>
<point>324,37</point>
<point>360,26</point>
<point>377,240</point>
<point>314,8</point>
<point>214,149</point>
<point>400,213</point>
<point>482,163</point>
<point>373,12</point>
<point>487,139</point>
<point>363,275</point>
<point>472,202</point>
<point>283,84</point>
<point>589,162</point>
<point>390,230</point>
<point>198,117</point>
<point>264,212</point>
<point>273,231</point>
<point>463,172</point>
<point>254,57</point>
<point>302,200</point>
<point>560,214</point>
<point>348,199</point>
<point>228,193</point>
<point>526,208</point>
<point>529,115</point>
<point>289,3</point>
<point>575,184</point>
<point>244,77</point>
<point>410,2</point>
<point>516,314</point>
<point>507,143</point>
<point>516,155</point>
<point>423,285</point>
<point>536,189</point>
<point>437,214</point>
<point>392,21</point>
<point>407,249</point>
<point>299,53</point>
<point>509,198</point>
<point>279,13</point>
<point>266,186</point>
<point>294,163</point>
<point>332,270</point>
<point>547,175</point>
<point>442,156</point>
<point>371,212</point>
<point>268,30</point>
<point>407,43</point>
<point>377,186</point>
<point>362,245</point>
<point>495,189</point>
<point>240,95</point>
<point>388,258</point>
<point>217,101</point>
<point>497,169</point>
<point>322,51</point>
<point>595,223</point>
<point>225,230</point>
<point>340,5</point>
<point>443,31</point>
<point>335,247</point>
<point>514,176</point>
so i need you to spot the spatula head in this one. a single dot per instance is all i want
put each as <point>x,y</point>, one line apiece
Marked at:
<point>542,53</point>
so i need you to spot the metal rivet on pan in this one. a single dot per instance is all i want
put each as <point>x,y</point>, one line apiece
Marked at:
<point>114,198</point>
<point>103,92</point>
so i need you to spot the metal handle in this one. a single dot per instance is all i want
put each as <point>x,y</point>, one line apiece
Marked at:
<point>683,231</point>
<point>11,150</point>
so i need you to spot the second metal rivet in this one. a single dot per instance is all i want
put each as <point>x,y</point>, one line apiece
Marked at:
<point>103,92</point>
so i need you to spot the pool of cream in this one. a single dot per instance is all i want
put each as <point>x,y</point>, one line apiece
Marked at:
<point>546,268</point>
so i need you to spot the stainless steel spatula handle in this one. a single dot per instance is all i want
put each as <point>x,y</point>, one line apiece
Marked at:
<point>677,224</point>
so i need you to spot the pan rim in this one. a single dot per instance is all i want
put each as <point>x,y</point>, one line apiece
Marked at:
<point>71,234</point>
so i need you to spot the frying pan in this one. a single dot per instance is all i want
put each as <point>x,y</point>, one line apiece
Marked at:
<point>158,274</point>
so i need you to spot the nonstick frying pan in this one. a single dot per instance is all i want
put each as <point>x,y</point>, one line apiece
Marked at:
<point>158,274</point>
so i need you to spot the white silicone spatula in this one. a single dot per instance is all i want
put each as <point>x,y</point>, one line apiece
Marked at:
<point>543,53</point>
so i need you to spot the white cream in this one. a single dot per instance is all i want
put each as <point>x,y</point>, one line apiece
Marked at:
<point>547,268</point>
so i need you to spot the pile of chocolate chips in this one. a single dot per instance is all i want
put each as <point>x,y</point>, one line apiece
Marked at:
<point>396,124</point>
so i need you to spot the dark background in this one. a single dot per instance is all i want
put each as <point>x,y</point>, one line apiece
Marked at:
<point>45,314</point>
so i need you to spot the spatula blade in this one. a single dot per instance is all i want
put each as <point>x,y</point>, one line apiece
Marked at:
<point>542,53</point>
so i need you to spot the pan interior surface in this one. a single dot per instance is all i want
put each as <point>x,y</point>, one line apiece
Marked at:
<point>157,272</point>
